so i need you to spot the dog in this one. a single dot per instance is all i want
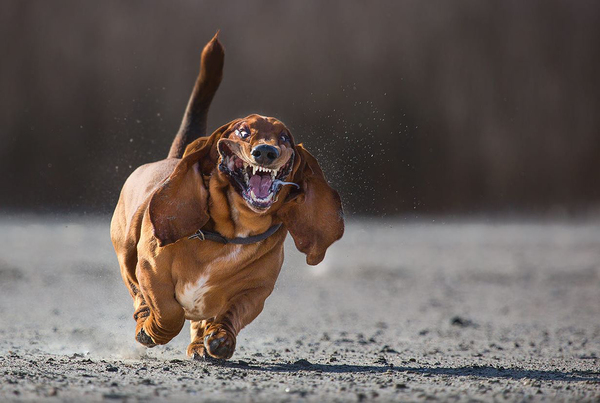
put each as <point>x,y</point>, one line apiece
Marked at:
<point>200,234</point>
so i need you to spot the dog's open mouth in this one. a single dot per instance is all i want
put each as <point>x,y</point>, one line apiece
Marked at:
<point>257,184</point>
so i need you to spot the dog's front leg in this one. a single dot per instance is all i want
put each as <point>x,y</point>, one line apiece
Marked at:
<point>166,316</point>
<point>217,337</point>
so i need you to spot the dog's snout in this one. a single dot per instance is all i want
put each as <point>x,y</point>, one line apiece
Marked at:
<point>265,154</point>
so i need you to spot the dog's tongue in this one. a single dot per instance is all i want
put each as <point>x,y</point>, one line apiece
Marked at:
<point>260,184</point>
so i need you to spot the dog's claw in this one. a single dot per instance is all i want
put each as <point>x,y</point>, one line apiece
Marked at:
<point>198,353</point>
<point>144,339</point>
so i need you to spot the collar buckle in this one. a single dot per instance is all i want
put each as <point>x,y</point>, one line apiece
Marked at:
<point>198,235</point>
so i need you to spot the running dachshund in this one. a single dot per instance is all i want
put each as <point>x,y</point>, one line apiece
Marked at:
<point>200,234</point>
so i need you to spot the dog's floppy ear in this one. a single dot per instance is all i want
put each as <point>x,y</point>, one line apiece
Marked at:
<point>178,208</point>
<point>314,217</point>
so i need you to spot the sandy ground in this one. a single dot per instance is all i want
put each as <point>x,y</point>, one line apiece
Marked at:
<point>397,311</point>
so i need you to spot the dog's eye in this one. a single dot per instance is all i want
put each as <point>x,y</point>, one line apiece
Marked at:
<point>242,132</point>
<point>284,137</point>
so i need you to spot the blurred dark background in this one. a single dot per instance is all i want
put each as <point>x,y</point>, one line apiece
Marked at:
<point>436,107</point>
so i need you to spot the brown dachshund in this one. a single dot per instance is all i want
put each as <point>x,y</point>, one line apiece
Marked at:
<point>200,235</point>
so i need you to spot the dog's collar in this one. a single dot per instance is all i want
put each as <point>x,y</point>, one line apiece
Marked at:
<point>216,237</point>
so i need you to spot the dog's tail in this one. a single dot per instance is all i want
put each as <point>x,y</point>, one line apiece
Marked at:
<point>194,120</point>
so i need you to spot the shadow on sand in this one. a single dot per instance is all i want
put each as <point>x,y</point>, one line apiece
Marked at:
<point>480,371</point>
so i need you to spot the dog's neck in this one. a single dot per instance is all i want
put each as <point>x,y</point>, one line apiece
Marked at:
<point>229,212</point>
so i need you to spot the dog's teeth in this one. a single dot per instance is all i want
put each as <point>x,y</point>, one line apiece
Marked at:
<point>254,168</point>
<point>252,195</point>
<point>273,174</point>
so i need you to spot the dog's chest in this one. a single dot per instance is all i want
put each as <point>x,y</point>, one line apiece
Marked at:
<point>201,298</point>
<point>192,297</point>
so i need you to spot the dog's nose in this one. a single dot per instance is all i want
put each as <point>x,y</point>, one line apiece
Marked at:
<point>265,154</point>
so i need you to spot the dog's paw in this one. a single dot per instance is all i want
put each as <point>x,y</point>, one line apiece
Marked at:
<point>219,343</point>
<point>144,339</point>
<point>196,351</point>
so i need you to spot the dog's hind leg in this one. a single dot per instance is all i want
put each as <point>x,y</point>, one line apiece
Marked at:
<point>141,308</point>
<point>128,262</point>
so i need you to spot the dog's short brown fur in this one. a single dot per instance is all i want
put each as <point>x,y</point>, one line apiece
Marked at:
<point>220,288</point>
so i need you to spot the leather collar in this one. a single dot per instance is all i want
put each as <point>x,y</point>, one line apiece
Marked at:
<point>216,237</point>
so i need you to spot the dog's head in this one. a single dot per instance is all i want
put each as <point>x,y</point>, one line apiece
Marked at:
<point>257,158</point>
<point>257,155</point>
